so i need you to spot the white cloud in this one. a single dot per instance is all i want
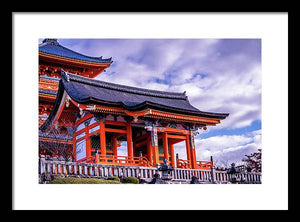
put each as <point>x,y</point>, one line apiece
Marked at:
<point>228,148</point>
<point>217,75</point>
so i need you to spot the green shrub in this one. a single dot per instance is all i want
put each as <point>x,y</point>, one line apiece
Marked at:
<point>130,180</point>
<point>114,178</point>
<point>82,181</point>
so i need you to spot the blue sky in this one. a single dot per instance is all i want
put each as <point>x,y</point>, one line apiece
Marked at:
<point>218,75</point>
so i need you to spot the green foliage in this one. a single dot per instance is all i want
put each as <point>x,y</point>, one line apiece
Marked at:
<point>114,178</point>
<point>82,181</point>
<point>131,180</point>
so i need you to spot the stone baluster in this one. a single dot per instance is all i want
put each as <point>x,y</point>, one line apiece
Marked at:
<point>58,168</point>
<point>206,176</point>
<point>90,170</point>
<point>54,168</point>
<point>75,168</point>
<point>104,171</point>
<point>128,172</point>
<point>79,169</point>
<point>42,164</point>
<point>101,171</point>
<point>85,172</point>
<point>68,168</point>
<point>111,171</point>
<point>64,168</point>
<point>115,171</point>
<point>119,172</point>
<point>96,168</point>
<point>249,177</point>
<point>107,171</point>
<point>134,173</point>
<point>48,168</point>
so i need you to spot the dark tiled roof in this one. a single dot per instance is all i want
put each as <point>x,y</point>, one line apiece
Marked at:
<point>51,46</point>
<point>90,91</point>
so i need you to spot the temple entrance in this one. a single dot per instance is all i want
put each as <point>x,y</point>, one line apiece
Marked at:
<point>180,151</point>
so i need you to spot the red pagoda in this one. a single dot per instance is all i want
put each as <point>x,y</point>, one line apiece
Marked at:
<point>52,58</point>
<point>96,116</point>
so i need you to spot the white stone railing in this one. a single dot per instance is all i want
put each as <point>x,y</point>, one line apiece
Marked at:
<point>187,174</point>
<point>56,167</point>
<point>223,177</point>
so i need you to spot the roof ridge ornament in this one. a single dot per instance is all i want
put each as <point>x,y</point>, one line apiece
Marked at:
<point>50,41</point>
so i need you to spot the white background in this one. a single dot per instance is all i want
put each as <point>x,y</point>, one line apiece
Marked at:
<point>272,28</point>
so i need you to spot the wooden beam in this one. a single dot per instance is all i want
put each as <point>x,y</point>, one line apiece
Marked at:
<point>176,137</point>
<point>116,123</point>
<point>115,130</point>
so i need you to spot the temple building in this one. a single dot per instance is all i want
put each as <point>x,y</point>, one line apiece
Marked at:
<point>97,116</point>
<point>52,58</point>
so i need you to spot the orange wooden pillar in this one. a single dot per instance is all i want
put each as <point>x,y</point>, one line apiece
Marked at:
<point>165,146</point>
<point>193,156</point>
<point>193,152</point>
<point>188,149</point>
<point>88,140</point>
<point>155,155</point>
<point>149,150</point>
<point>129,141</point>
<point>102,138</point>
<point>154,146</point>
<point>172,155</point>
<point>114,146</point>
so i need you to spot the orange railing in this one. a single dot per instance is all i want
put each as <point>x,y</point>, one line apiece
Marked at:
<point>118,160</point>
<point>205,165</point>
<point>185,164</point>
